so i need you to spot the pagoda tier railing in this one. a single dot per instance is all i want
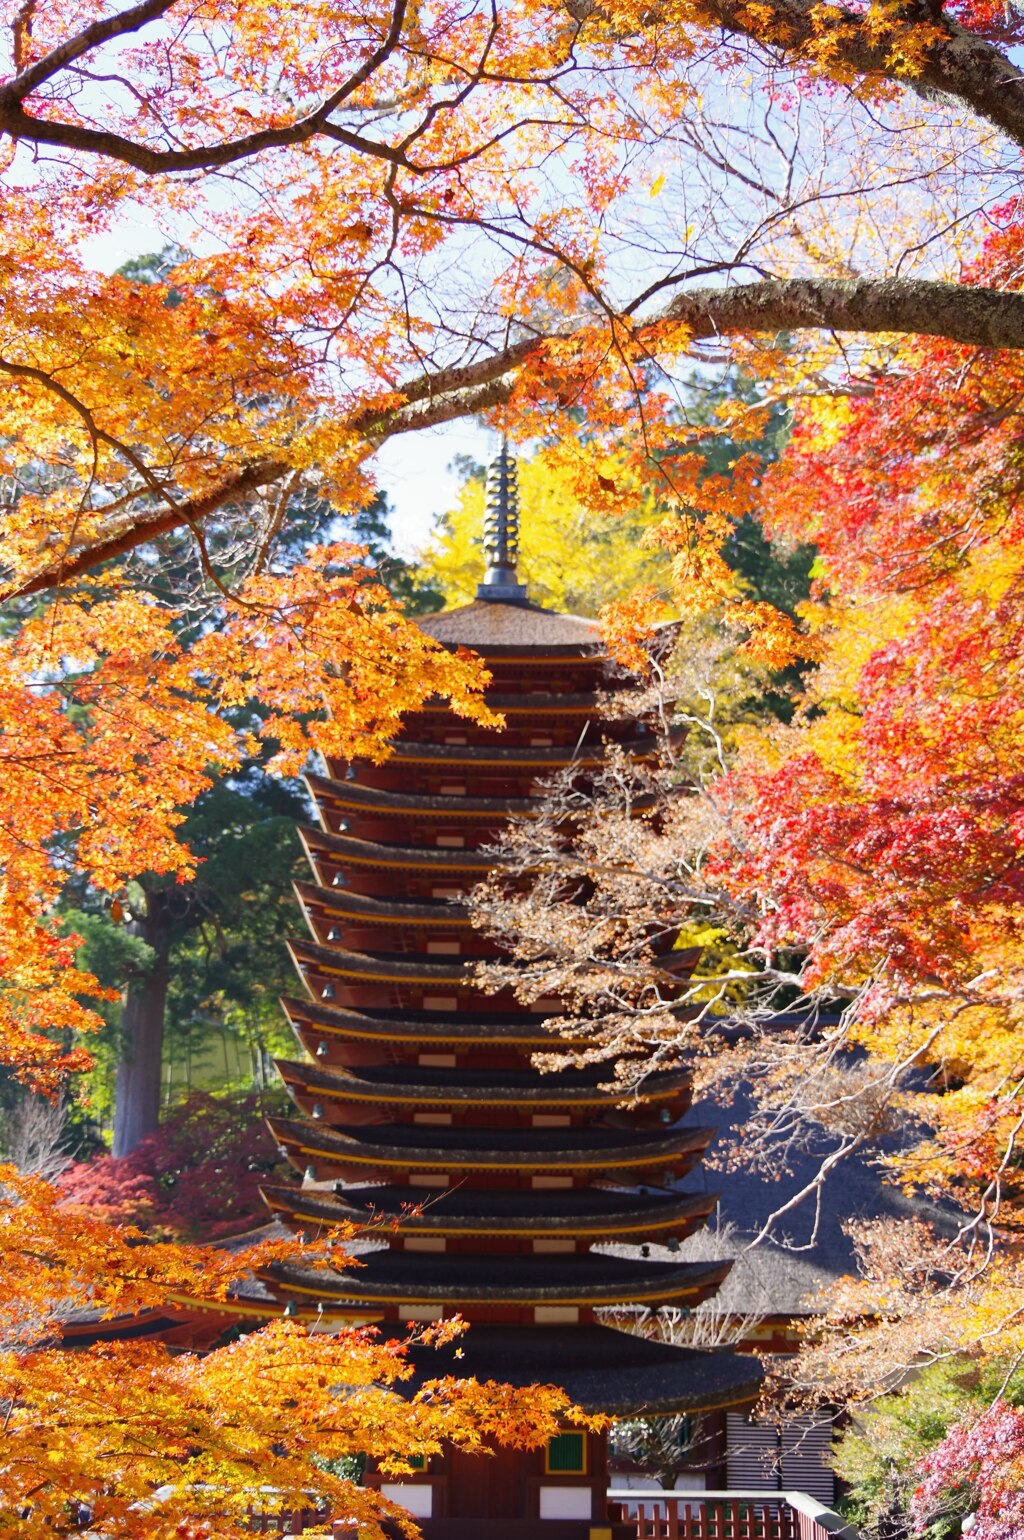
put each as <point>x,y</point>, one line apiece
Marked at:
<point>657,1515</point>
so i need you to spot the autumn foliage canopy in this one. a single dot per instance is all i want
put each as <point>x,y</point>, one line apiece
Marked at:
<point>381,217</point>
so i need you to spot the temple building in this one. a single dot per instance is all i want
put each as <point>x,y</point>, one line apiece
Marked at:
<point>483,1187</point>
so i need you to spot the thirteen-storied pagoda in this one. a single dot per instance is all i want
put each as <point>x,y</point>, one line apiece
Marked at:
<point>417,1101</point>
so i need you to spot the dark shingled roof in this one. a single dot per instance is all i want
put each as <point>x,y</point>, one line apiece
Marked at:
<point>342,903</point>
<point>435,1083</point>
<point>600,1370</point>
<point>462,1278</point>
<point>494,627</point>
<point>353,794</point>
<point>393,965</point>
<point>786,1275</point>
<point>554,1211</point>
<point>588,749</point>
<point>355,852</point>
<point>435,1148</point>
<point>410,1026</point>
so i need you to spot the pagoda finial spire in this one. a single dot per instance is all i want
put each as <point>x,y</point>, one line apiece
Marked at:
<point>501,531</point>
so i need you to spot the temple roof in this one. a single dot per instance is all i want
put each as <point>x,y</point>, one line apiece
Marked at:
<point>493,627</point>
<point>600,1369</point>
<point>404,1027</point>
<point>456,1279</point>
<point>411,967</point>
<point>440,1086</point>
<point>356,852</point>
<point>373,798</point>
<point>589,749</point>
<point>591,1212</point>
<point>340,903</point>
<point>524,1151</point>
<point>385,967</point>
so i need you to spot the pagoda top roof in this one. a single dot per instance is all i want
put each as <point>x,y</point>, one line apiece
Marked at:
<point>511,628</point>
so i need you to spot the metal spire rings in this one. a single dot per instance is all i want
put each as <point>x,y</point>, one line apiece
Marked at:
<point>501,531</point>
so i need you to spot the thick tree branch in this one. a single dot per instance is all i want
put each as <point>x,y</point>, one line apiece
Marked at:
<point>148,527</point>
<point>955,62</point>
<point>974,317</point>
<point>21,125</point>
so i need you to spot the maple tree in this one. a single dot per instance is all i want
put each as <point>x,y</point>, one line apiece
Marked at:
<point>879,1456</point>
<point>132,1441</point>
<point>393,216</point>
<point>369,237</point>
<point>198,1176</point>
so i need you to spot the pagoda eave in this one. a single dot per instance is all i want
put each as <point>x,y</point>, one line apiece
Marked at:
<point>337,849</point>
<point>353,1154</point>
<point>449,1281</point>
<point>599,1368</point>
<point>403,1211</point>
<point>314,1022</point>
<point>355,798</point>
<point>379,967</point>
<point>541,757</point>
<point>340,905</point>
<point>387,1084</point>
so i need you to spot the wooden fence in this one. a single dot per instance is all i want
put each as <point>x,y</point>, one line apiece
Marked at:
<point>727,1516</point>
<point>286,1521</point>
<point>657,1516</point>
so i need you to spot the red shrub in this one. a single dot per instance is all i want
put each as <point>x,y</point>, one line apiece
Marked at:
<point>198,1176</point>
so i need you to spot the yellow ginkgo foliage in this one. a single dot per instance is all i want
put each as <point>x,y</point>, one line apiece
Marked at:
<point>572,557</point>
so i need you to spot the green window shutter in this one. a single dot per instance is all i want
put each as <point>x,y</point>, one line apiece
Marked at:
<point>567,1454</point>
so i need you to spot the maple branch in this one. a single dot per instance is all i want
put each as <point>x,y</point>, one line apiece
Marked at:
<point>953,61</point>
<point>90,37</point>
<point>975,317</point>
<point>19,124</point>
<point>189,513</point>
<point>947,58</point>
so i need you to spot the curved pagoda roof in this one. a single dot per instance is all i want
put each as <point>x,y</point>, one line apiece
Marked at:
<point>409,1029</point>
<point>592,1213</point>
<point>505,630</point>
<point>463,1279</point>
<point>344,850</point>
<point>426,1087</point>
<point>522,1152</point>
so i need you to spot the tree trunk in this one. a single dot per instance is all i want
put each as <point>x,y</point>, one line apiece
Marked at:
<point>139,1071</point>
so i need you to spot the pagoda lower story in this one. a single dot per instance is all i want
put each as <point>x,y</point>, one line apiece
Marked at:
<point>483,1187</point>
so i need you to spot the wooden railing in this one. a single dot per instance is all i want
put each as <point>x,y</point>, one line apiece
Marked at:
<point>727,1516</point>
<point>657,1516</point>
<point>286,1521</point>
